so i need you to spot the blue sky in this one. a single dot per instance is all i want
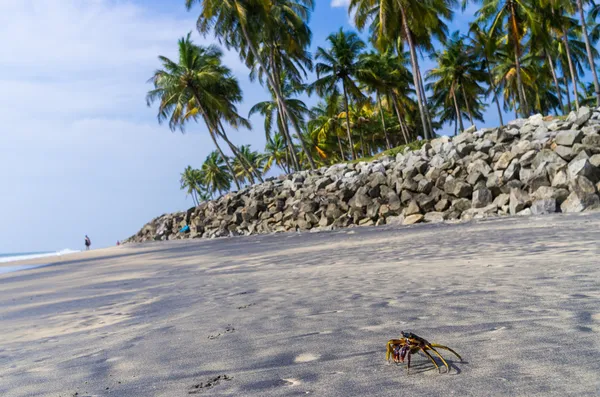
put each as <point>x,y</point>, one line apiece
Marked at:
<point>80,152</point>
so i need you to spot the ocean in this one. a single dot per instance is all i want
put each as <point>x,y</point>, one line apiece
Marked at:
<point>32,255</point>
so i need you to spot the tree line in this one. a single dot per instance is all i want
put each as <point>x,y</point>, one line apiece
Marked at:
<point>522,56</point>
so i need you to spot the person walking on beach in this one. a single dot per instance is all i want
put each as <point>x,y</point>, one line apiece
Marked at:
<point>88,242</point>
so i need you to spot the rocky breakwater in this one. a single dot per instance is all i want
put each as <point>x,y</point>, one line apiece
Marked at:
<point>530,166</point>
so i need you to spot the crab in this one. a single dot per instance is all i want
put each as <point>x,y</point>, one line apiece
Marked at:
<point>409,343</point>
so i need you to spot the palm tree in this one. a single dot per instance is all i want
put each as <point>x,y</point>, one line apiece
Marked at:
<point>215,175</point>
<point>339,64</point>
<point>459,73</point>
<point>245,24</point>
<point>325,127</point>
<point>484,46</point>
<point>276,153</point>
<point>197,85</point>
<point>511,16</point>
<point>272,114</point>
<point>191,181</point>
<point>387,75</point>
<point>588,48</point>
<point>250,157</point>
<point>414,22</point>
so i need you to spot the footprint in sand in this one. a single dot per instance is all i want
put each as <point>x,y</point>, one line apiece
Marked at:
<point>228,330</point>
<point>291,382</point>
<point>306,357</point>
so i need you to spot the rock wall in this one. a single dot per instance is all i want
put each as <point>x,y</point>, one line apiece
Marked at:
<point>533,166</point>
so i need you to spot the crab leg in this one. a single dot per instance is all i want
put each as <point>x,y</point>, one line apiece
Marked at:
<point>447,348</point>
<point>431,358</point>
<point>408,366</point>
<point>439,355</point>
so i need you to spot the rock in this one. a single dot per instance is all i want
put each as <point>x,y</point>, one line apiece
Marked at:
<point>442,205</point>
<point>360,199</point>
<point>546,156</point>
<point>582,167</point>
<point>513,170</point>
<point>482,198</point>
<point>518,201</point>
<point>412,219</point>
<point>424,186</point>
<point>579,201</point>
<point>580,117</point>
<point>568,138</point>
<point>475,177</point>
<point>565,152</point>
<point>434,217</point>
<point>591,140</point>
<point>595,160</point>
<point>501,200</point>
<point>581,184</point>
<point>412,209</point>
<point>504,161</point>
<point>461,205</point>
<point>543,206</point>
<point>458,188</point>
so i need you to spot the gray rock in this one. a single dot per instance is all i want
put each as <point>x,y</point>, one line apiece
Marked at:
<point>512,172</point>
<point>442,205</point>
<point>482,198</point>
<point>424,186</point>
<point>460,205</point>
<point>504,161</point>
<point>565,152</point>
<point>569,138</point>
<point>434,217</point>
<point>580,117</point>
<point>412,219</point>
<point>543,206</point>
<point>360,199</point>
<point>546,156</point>
<point>579,201</point>
<point>425,202</point>
<point>501,200</point>
<point>519,200</point>
<point>527,158</point>
<point>595,160</point>
<point>581,184</point>
<point>591,140</point>
<point>582,167</point>
<point>475,177</point>
<point>458,188</point>
<point>412,209</point>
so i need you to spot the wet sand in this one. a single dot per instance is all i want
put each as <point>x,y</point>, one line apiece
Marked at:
<point>309,314</point>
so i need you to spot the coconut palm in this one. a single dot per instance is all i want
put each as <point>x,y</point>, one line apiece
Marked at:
<point>215,175</point>
<point>325,127</point>
<point>339,65</point>
<point>276,153</point>
<point>458,74</point>
<point>197,86</point>
<point>245,24</point>
<point>405,22</point>
<point>511,17</point>
<point>191,181</point>
<point>250,157</point>
<point>588,48</point>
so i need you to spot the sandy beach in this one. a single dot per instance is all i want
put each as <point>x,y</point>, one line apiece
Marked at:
<point>310,313</point>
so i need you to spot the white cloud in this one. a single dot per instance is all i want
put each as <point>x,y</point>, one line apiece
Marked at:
<point>340,3</point>
<point>80,152</point>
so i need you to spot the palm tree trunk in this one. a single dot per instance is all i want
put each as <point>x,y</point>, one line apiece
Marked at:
<point>555,79</point>
<point>467,103</point>
<point>520,90</point>
<point>387,138</point>
<point>211,132</point>
<point>288,138</point>
<point>487,63</point>
<point>225,159</point>
<point>457,109</point>
<point>566,83</point>
<point>413,60</point>
<point>276,90</point>
<point>588,48</point>
<point>348,121</point>
<point>340,145</point>
<point>571,68</point>
<point>243,160</point>
<point>362,142</point>
<point>427,115</point>
<point>402,126</point>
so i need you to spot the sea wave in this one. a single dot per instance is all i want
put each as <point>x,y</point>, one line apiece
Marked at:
<point>24,256</point>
